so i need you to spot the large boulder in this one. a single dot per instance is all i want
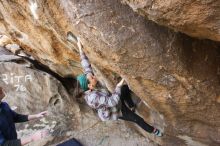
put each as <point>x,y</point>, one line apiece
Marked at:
<point>175,76</point>
<point>198,18</point>
<point>30,91</point>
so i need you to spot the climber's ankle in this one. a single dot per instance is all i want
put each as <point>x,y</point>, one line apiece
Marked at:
<point>157,132</point>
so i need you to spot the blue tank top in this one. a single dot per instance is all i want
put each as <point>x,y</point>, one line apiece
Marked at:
<point>7,125</point>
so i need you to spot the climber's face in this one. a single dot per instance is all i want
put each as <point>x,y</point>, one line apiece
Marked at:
<point>2,94</point>
<point>92,82</point>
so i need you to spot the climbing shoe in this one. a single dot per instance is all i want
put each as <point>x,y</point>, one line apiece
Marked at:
<point>157,132</point>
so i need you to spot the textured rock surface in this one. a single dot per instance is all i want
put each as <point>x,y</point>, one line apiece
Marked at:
<point>36,91</point>
<point>30,91</point>
<point>176,76</point>
<point>198,18</point>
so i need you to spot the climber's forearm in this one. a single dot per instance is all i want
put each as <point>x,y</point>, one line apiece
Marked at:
<point>86,64</point>
<point>84,60</point>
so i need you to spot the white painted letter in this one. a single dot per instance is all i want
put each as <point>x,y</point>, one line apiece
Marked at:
<point>28,77</point>
<point>18,78</point>
<point>5,78</point>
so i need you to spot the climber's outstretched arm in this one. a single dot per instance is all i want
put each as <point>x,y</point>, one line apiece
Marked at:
<point>97,100</point>
<point>84,61</point>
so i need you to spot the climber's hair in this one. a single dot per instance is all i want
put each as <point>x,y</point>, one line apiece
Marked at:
<point>78,91</point>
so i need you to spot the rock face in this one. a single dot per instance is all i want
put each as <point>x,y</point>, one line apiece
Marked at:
<point>196,18</point>
<point>30,91</point>
<point>175,76</point>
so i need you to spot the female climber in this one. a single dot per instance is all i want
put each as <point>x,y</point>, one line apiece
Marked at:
<point>105,103</point>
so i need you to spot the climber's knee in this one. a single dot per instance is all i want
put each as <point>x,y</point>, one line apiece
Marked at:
<point>125,91</point>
